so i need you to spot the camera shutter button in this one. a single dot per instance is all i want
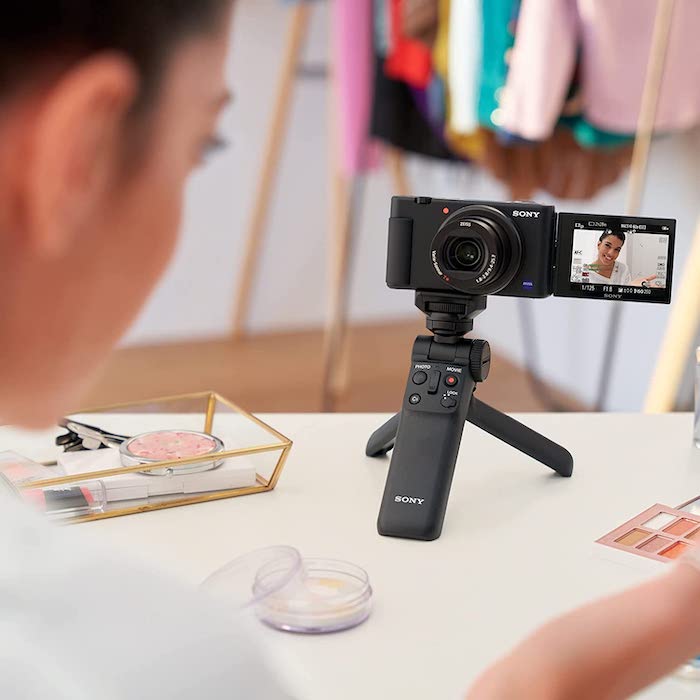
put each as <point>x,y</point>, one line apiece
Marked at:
<point>420,378</point>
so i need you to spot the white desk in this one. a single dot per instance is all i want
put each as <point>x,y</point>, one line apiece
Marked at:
<point>517,546</point>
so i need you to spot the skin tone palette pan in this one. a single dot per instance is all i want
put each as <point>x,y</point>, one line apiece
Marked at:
<point>660,533</point>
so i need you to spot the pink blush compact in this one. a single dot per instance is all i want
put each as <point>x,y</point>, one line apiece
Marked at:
<point>166,445</point>
<point>170,446</point>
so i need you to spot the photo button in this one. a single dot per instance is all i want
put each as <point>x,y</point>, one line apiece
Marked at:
<point>420,378</point>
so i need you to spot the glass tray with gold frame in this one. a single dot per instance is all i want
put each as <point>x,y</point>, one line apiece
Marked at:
<point>252,459</point>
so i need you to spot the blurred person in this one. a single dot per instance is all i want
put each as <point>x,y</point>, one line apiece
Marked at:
<point>609,649</point>
<point>105,108</point>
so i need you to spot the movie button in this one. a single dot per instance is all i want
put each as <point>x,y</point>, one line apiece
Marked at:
<point>448,402</point>
<point>434,382</point>
<point>414,399</point>
<point>451,380</point>
<point>420,378</point>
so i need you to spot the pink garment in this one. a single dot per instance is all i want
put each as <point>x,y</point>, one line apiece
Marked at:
<point>353,61</point>
<point>615,39</point>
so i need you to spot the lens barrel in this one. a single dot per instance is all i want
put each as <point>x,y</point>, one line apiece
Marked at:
<point>477,250</point>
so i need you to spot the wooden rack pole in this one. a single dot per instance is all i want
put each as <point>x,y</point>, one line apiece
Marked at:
<point>683,320</point>
<point>336,325</point>
<point>277,130</point>
<point>339,244</point>
<point>650,101</point>
<point>397,169</point>
<point>680,335</point>
<point>337,364</point>
<point>639,165</point>
<point>336,347</point>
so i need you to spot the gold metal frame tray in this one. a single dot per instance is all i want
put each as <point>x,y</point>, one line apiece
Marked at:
<point>250,447</point>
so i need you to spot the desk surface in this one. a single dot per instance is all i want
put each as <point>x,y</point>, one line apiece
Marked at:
<point>517,546</point>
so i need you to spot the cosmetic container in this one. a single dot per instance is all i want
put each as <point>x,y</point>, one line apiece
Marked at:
<point>172,445</point>
<point>295,594</point>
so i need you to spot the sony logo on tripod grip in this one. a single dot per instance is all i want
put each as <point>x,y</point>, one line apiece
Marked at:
<point>409,499</point>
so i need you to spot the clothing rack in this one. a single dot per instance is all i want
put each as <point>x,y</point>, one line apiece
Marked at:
<point>346,194</point>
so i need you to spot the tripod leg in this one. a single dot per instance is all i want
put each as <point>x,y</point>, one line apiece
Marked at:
<point>521,437</point>
<point>382,440</point>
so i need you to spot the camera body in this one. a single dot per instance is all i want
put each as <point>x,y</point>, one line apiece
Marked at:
<point>525,249</point>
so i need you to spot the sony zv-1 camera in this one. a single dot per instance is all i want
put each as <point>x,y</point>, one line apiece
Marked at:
<point>454,254</point>
<point>525,249</point>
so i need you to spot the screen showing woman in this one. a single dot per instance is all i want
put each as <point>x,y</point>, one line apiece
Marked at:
<point>616,257</point>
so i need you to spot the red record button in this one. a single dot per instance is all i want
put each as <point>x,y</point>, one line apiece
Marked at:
<point>451,380</point>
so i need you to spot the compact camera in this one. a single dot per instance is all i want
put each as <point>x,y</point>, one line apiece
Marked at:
<point>525,249</point>
<point>453,254</point>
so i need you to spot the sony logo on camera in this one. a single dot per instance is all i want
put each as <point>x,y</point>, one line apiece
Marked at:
<point>527,214</point>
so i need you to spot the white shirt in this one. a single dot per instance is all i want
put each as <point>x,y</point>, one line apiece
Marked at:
<point>620,275</point>
<point>78,622</point>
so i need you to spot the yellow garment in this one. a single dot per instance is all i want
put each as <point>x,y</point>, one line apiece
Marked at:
<point>470,145</point>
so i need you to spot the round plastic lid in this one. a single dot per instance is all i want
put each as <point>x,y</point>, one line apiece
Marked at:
<point>309,596</point>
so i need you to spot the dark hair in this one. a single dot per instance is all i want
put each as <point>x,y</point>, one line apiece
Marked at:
<point>42,34</point>
<point>617,234</point>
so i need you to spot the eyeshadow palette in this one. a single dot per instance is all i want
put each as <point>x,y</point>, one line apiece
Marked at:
<point>660,533</point>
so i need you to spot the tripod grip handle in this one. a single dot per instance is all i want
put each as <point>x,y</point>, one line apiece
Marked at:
<point>420,475</point>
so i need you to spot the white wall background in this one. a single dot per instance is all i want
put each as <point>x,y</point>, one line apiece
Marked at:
<point>645,254</point>
<point>195,299</point>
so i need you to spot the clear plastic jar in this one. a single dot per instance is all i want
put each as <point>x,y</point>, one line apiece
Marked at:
<point>294,594</point>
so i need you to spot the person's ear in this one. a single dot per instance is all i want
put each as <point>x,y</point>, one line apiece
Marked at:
<point>75,147</point>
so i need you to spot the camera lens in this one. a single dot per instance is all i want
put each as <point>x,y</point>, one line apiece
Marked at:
<point>464,254</point>
<point>477,250</point>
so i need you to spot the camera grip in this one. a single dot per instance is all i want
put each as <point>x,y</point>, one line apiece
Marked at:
<point>420,475</point>
<point>398,266</point>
